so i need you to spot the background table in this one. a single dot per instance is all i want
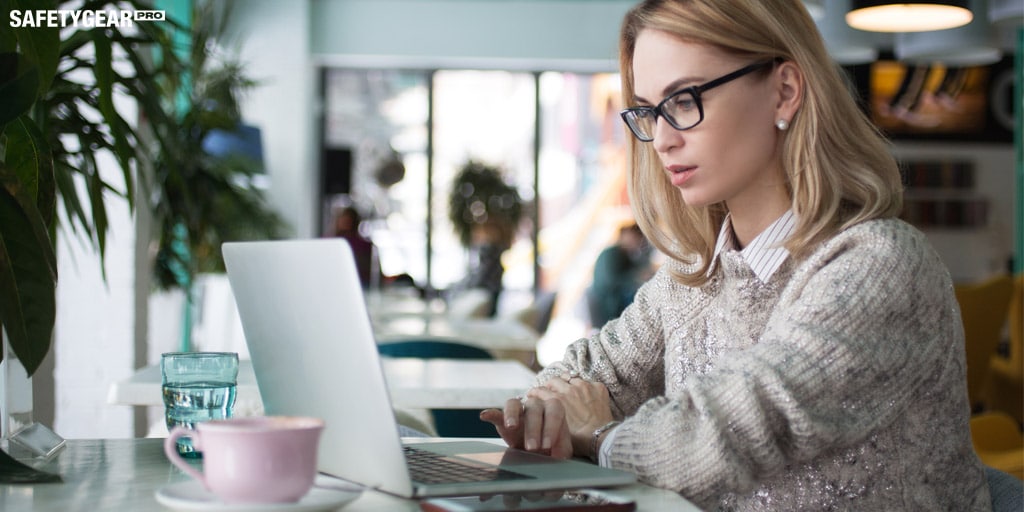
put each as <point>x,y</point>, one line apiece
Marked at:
<point>495,334</point>
<point>413,383</point>
<point>124,475</point>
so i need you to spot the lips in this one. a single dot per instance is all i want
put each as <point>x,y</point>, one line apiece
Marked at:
<point>680,174</point>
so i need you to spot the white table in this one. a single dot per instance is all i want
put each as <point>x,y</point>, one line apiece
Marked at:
<point>399,316</point>
<point>414,384</point>
<point>124,475</point>
<point>494,334</point>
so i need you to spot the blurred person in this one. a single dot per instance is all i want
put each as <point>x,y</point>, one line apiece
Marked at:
<point>619,271</point>
<point>346,225</point>
<point>801,348</point>
<point>485,271</point>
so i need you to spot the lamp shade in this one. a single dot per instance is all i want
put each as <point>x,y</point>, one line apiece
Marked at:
<point>1006,13</point>
<point>846,45</point>
<point>973,44</point>
<point>908,16</point>
<point>816,8</point>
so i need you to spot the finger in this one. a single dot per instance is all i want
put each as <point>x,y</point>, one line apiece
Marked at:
<point>533,423</point>
<point>558,384</point>
<point>563,448</point>
<point>495,417</point>
<point>511,436</point>
<point>543,393</point>
<point>554,422</point>
<point>513,411</point>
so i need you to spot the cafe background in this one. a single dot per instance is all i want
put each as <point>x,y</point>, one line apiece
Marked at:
<point>348,86</point>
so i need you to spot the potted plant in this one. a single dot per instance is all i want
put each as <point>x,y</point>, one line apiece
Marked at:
<point>479,198</point>
<point>58,113</point>
<point>57,102</point>
<point>485,212</point>
<point>202,197</point>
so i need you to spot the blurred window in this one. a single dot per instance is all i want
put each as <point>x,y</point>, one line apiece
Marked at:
<point>573,179</point>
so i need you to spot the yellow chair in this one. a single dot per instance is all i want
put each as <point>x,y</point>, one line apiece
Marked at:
<point>983,308</point>
<point>998,442</point>
<point>1005,390</point>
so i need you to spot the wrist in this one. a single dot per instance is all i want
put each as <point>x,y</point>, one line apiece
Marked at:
<point>598,436</point>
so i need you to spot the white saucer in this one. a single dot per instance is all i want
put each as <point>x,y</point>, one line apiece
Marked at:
<point>191,496</point>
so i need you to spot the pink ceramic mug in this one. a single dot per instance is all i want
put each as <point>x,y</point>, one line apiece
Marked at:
<point>267,459</point>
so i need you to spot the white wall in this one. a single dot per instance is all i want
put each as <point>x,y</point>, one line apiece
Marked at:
<point>94,332</point>
<point>971,254</point>
<point>510,34</point>
<point>276,49</point>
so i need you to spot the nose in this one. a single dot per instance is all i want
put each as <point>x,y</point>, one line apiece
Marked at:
<point>666,136</point>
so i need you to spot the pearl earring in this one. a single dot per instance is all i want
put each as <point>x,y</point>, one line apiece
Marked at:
<point>782,124</point>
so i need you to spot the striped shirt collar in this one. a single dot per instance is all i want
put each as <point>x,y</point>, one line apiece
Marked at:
<point>765,253</point>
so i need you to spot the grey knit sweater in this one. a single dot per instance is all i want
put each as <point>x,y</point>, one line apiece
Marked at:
<point>837,385</point>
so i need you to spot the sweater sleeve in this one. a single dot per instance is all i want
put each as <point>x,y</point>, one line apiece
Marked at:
<point>864,321</point>
<point>627,354</point>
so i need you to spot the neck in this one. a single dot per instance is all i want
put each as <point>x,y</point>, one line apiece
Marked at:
<point>749,220</point>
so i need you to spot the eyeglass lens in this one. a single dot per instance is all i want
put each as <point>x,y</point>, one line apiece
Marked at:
<point>682,109</point>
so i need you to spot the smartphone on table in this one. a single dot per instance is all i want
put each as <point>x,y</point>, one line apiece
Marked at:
<point>582,500</point>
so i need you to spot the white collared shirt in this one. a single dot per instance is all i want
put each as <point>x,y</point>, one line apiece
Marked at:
<point>765,254</point>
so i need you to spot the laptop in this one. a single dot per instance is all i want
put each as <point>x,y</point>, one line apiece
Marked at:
<point>313,352</point>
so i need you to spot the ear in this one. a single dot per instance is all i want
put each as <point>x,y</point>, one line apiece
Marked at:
<point>789,80</point>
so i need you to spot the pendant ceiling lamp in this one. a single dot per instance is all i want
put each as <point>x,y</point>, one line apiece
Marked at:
<point>919,16</point>
<point>1006,13</point>
<point>974,44</point>
<point>846,45</point>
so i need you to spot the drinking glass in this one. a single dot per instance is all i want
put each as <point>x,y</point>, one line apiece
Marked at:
<point>197,387</point>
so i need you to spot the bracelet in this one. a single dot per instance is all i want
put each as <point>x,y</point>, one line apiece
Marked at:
<point>597,437</point>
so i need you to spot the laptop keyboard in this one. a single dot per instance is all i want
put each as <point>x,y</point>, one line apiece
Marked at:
<point>434,468</point>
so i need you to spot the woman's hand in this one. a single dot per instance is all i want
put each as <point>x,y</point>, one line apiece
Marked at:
<point>587,407</point>
<point>533,425</point>
<point>558,418</point>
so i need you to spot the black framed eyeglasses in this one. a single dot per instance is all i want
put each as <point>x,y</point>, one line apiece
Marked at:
<point>682,109</point>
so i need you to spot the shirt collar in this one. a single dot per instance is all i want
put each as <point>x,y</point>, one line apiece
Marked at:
<point>765,254</point>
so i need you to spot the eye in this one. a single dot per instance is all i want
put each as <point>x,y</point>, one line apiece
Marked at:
<point>683,101</point>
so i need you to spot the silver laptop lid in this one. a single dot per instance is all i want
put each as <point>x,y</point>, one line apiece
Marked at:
<point>304,365</point>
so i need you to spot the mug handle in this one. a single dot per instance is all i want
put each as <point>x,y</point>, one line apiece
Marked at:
<point>171,450</point>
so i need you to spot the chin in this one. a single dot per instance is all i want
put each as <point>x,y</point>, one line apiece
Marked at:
<point>695,199</point>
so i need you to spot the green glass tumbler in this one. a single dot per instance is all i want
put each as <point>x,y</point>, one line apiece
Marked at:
<point>197,387</point>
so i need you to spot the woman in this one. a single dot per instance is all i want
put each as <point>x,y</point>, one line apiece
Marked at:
<point>802,348</point>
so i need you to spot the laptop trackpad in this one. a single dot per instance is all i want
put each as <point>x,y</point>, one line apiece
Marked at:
<point>508,458</point>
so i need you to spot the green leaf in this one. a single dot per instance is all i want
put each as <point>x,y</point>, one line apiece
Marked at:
<point>76,213</point>
<point>19,82</point>
<point>40,45</point>
<point>29,158</point>
<point>104,72</point>
<point>8,43</point>
<point>27,282</point>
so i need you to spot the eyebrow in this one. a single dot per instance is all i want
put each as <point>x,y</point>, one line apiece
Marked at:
<point>673,86</point>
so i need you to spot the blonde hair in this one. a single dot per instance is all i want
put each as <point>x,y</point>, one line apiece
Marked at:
<point>838,166</point>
